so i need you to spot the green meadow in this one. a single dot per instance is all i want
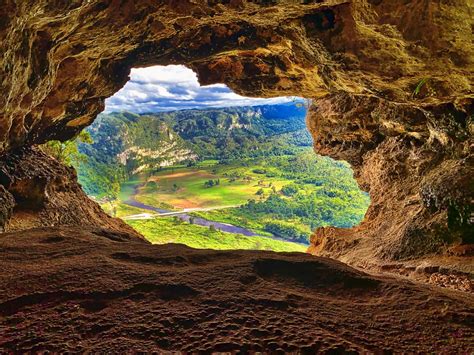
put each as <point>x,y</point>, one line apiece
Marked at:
<point>185,187</point>
<point>284,197</point>
<point>170,230</point>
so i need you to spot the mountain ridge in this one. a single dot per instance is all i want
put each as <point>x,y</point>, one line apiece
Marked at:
<point>126,143</point>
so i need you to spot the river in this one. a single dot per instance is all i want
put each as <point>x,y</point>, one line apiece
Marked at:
<point>185,216</point>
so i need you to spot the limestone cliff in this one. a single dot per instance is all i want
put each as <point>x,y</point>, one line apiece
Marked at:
<point>391,83</point>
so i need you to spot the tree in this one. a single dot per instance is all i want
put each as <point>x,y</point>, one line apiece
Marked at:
<point>209,183</point>
<point>289,190</point>
<point>286,231</point>
<point>113,195</point>
<point>67,152</point>
<point>115,189</point>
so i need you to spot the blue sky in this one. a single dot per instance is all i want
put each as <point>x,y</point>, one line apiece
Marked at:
<point>175,87</point>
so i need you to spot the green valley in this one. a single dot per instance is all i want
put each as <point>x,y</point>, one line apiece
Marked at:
<point>233,178</point>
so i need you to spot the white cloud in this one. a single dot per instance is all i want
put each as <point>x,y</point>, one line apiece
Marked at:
<point>175,87</point>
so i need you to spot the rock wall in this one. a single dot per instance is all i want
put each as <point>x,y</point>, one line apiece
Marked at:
<point>41,192</point>
<point>417,164</point>
<point>63,58</point>
<point>391,83</point>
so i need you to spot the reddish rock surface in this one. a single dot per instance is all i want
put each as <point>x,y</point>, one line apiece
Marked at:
<point>93,290</point>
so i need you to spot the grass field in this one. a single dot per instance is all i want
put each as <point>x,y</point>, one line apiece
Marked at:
<point>184,187</point>
<point>238,217</point>
<point>214,191</point>
<point>167,230</point>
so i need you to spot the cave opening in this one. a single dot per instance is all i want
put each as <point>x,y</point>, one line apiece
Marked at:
<point>206,167</point>
<point>391,87</point>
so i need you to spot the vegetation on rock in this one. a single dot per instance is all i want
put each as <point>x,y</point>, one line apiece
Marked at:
<point>68,152</point>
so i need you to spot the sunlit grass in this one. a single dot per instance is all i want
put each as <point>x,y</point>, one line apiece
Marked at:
<point>185,187</point>
<point>167,230</point>
<point>253,222</point>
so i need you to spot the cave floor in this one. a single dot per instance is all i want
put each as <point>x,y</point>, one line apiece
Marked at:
<point>75,289</point>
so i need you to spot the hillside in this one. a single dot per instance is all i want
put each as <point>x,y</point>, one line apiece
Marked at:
<point>126,144</point>
<point>243,131</point>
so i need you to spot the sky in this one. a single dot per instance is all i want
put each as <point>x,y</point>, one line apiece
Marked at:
<point>175,87</point>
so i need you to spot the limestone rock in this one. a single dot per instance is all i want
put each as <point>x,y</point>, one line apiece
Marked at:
<point>46,193</point>
<point>417,163</point>
<point>391,85</point>
<point>7,202</point>
<point>106,293</point>
<point>62,59</point>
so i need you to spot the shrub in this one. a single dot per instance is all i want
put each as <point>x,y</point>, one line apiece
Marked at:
<point>209,183</point>
<point>289,190</point>
<point>286,231</point>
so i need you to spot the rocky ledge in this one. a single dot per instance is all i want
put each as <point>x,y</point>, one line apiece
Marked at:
<point>37,190</point>
<point>71,289</point>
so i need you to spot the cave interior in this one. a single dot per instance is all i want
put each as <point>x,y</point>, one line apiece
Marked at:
<point>391,92</point>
